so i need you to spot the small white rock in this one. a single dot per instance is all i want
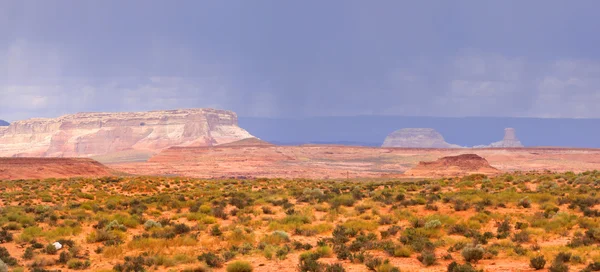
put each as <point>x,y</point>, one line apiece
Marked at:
<point>57,245</point>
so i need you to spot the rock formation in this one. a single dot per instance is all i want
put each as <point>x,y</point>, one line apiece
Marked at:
<point>92,134</point>
<point>417,138</point>
<point>509,140</point>
<point>460,165</point>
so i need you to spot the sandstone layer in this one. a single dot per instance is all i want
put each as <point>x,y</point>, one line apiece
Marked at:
<point>43,168</point>
<point>94,134</point>
<point>417,138</point>
<point>452,166</point>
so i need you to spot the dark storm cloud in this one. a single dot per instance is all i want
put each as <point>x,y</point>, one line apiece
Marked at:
<point>301,58</point>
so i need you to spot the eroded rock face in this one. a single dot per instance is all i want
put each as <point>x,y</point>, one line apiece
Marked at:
<point>510,140</point>
<point>92,134</point>
<point>417,138</point>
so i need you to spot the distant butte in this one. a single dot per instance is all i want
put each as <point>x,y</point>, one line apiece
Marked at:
<point>464,164</point>
<point>510,140</point>
<point>417,138</point>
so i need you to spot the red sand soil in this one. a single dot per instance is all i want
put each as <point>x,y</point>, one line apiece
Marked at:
<point>340,162</point>
<point>42,168</point>
<point>464,164</point>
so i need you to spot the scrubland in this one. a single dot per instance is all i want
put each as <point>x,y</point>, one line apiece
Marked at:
<point>511,222</point>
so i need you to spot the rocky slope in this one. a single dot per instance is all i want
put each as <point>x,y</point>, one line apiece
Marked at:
<point>510,140</point>
<point>93,134</point>
<point>464,164</point>
<point>417,138</point>
<point>43,168</point>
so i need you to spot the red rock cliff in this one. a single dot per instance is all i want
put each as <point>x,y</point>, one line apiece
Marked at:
<point>92,134</point>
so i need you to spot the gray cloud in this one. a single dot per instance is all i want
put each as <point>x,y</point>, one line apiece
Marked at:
<point>308,58</point>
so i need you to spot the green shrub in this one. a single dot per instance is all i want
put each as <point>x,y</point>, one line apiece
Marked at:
<point>50,249</point>
<point>455,267</point>
<point>239,266</point>
<point>427,258</point>
<point>6,258</point>
<point>558,266</point>
<point>333,268</point>
<point>473,254</point>
<point>78,265</point>
<point>433,224</point>
<point>211,259</point>
<point>537,262</point>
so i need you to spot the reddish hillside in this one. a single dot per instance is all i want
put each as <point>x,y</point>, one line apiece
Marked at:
<point>460,165</point>
<point>42,168</point>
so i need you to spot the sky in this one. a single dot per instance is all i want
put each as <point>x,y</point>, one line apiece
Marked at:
<point>297,59</point>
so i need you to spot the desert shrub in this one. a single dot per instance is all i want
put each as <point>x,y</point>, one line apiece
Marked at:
<point>151,224</point>
<point>6,258</point>
<point>473,254</point>
<point>50,249</point>
<point>216,230</point>
<point>417,241</point>
<point>5,236</point>
<point>595,266</point>
<point>455,267</point>
<point>308,262</point>
<point>564,257</point>
<point>239,266</point>
<point>521,237</point>
<point>558,266</point>
<point>520,250</point>
<point>64,257</point>
<point>504,228</point>
<point>461,205</point>
<point>521,225</point>
<point>433,224</point>
<point>78,265</point>
<point>537,262</point>
<point>211,259</point>
<point>28,254</point>
<point>138,263</point>
<point>276,238</point>
<point>372,262</point>
<point>524,202</point>
<point>333,268</point>
<point>342,200</point>
<point>386,266</point>
<point>427,258</point>
<point>228,255</point>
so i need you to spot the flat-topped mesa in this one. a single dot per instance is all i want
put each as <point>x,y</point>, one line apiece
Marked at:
<point>510,140</point>
<point>99,133</point>
<point>417,138</point>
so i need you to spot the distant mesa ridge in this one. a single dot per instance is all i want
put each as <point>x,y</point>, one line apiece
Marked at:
<point>101,133</point>
<point>4,123</point>
<point>430,138</point>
